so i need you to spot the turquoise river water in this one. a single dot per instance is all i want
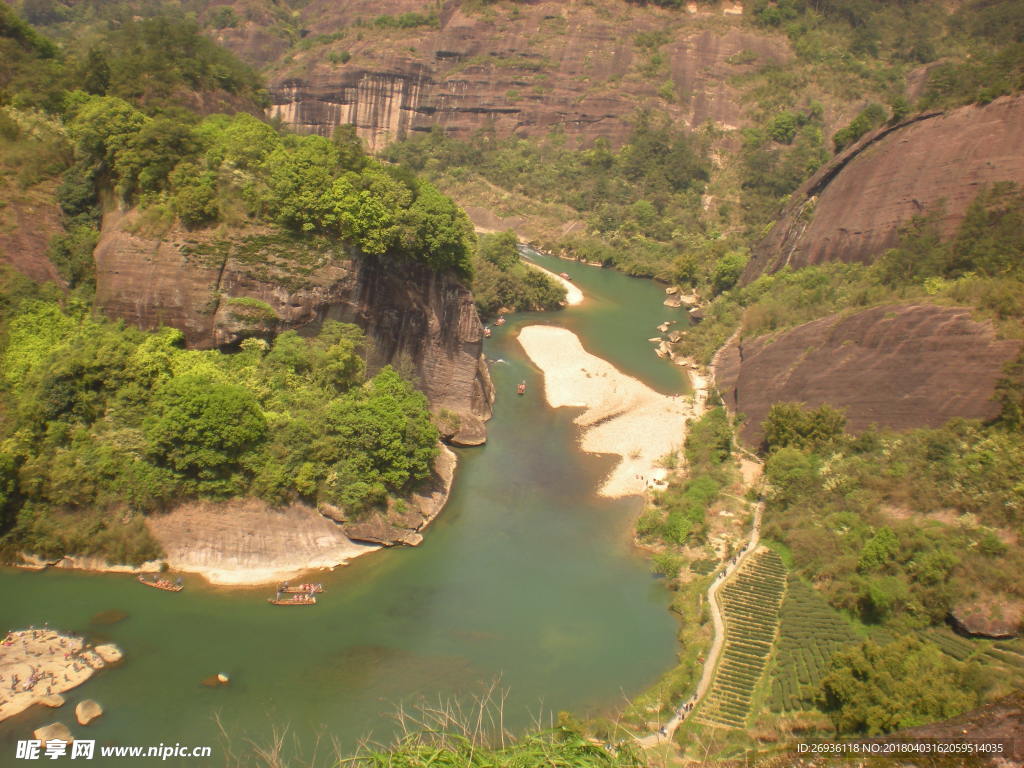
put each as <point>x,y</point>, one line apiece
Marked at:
<point>527,580</point>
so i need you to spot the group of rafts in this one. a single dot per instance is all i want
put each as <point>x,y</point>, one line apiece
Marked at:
<point>287,594</point>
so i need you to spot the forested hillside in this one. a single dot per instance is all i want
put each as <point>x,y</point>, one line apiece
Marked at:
<point>101,424</point>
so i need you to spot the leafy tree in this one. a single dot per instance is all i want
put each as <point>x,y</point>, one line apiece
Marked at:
<point>437,232</point>
<point>150,154</point>
<point>869,118</point>
<point>873,689</point>
<point>203,429</point>
<point>879,550</point>
<point>793,425</point>
<point>240,141</point>
<point>728,271</point>
<point>103,127</point>
<point>195,199</point>
<point>793,474</point>
<point>351,152</point>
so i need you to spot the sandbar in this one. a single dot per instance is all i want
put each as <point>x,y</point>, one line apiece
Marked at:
<point>573,295</point>
<point>621,415</point>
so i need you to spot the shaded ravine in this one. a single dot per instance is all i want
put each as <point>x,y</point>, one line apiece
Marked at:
<point>526,578</point>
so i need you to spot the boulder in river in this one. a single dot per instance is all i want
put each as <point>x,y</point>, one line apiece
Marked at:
<point>52,732</point>
<point>470,432</point>
<point>110,653</point>
<point>53,700</point>
<point>673,301</point>
<point>672,290</point>
<point>87,711</point>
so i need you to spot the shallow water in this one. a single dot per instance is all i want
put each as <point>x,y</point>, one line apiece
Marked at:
<point>527,579</point>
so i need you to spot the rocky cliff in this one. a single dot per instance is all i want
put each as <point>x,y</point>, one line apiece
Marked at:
<point>852,208</point>
<point>27,222</point>
<point>900,366</point>
<point>527,68</point>
<point>221,289</point>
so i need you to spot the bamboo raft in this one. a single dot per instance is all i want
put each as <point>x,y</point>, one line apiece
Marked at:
<point>293,600</point>
<point>163,584</point>
<point>300,589</point>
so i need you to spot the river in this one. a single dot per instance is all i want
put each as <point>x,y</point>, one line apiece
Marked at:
<point>527,580</point>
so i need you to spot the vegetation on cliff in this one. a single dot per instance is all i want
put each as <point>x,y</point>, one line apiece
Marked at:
<point>107,422</point>
<point>979,266</point>
<point>119,118</point>
<point>636,200</point>
<point>502,280</point>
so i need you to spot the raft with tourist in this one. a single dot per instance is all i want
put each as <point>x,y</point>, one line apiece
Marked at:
<point>281,599</point>
<point>521,389</point>
<point>164,584</point>
<point>300,589</point>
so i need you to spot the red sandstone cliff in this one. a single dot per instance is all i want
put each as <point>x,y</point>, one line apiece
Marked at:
<point>852,208</point>
<point>543,65</point>
<point>413,316</point>
<point>900,366</point>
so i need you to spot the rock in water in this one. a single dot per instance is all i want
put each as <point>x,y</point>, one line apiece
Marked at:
<point>108,617</point>
<point>109,653</point>
<point>53,731</point>
<point>87,711</point>
<point>53,700</point>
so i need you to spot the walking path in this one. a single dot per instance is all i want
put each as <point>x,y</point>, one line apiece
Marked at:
<point>667,731</point>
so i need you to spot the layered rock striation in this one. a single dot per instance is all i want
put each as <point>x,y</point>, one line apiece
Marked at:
<point>898,366</point>
<point>219,290</point>
<point>852,209</point>
<point>547,65</point>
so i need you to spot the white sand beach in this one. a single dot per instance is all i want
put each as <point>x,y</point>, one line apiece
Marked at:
<point>573,295</point>
<point>38,664</point>
<point>621,414</point>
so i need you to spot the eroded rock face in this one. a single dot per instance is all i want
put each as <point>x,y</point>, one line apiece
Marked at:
<point>899,366</point>
<point>27,222</point>
<point>851,209</point>
<point>219,292</point>
<point>550,65</point>
<point>997,617</point>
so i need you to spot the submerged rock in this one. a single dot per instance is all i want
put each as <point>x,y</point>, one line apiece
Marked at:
<point>52,732</point>
<point>87,711</point>
<point>108,617</point>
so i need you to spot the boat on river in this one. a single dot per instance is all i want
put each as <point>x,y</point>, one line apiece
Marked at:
<point>564,276</point>
<point>521,389</point>
<point>500,321</point>
<point>164,584</point>
<point>300,589</point>
<point>280,599</point>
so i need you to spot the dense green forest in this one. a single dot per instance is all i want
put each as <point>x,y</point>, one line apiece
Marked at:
<point>502,280</point>
<point>100,423</point>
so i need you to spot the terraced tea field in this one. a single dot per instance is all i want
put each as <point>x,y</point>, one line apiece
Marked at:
<point>1005,654</point>
<point>750,605</point>
<point>810,632</point>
